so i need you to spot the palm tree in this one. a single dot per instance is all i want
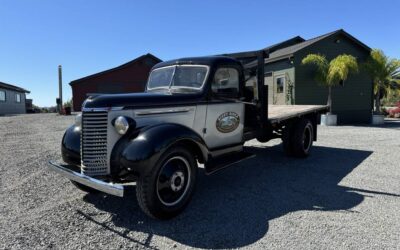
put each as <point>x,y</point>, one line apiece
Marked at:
<point>385,73</point>
<point>331,73</point>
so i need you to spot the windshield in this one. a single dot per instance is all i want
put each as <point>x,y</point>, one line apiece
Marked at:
<point>178,77</point>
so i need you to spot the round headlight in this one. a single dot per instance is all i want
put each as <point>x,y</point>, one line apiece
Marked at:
<point>121,125</point>
<point>78,120</point>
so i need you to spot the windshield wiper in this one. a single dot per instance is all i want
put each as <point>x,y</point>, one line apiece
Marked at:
<point>172,79</point>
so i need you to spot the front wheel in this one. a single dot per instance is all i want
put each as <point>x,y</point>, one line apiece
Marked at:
<point>166,190</point>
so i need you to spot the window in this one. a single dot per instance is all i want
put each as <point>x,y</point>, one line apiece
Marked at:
<point>178,78</point>
<point>18,97</point>
<point>280,84</point>
<point>226,82</point>
<point>161,78</point>
<point>2,96</point>
<point>189,76</point>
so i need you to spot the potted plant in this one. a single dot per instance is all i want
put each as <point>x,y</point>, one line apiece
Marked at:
<point>385,73</point>
<point>68,107</point>
<point>331,73</point>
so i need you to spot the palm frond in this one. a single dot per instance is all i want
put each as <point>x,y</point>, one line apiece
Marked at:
<point>340,68</point>
<point>322,66</point>
<point>384,71</point>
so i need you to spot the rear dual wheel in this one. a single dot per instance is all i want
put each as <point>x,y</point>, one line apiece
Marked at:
<point>298,138</point>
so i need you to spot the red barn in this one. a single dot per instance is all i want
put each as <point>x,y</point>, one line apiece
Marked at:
<point>129,77</point>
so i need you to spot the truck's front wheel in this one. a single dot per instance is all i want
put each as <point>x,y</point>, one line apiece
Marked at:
<point>166,190</point>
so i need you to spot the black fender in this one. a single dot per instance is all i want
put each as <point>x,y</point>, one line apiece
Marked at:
<point>141,153</point>
<point>71,146</point>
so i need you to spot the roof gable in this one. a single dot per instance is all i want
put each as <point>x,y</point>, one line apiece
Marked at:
<point>148,55</point>
<point>288,51</point>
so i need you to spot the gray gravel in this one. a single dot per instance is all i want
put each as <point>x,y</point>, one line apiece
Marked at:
<point>345,195</point>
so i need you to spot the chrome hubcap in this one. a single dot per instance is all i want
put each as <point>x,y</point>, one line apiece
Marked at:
<point>177,181</point>
<point>173,181</point>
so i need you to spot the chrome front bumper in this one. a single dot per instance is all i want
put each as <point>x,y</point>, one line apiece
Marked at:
<point>109,188</point>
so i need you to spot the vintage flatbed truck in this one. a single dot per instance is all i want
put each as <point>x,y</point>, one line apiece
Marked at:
<point>194,110</point>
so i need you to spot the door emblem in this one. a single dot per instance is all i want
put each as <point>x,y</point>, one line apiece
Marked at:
<point>227,122</point>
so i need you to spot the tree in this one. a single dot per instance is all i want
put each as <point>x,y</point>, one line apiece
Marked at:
<point>332,73</point>
<point>385,73</point>
<point>68,103</point>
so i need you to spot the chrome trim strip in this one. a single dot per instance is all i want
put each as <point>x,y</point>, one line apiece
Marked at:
<point>116,108</point>
<point>109,188</point>
<point>95,109</point>
<point>168,111</point>
<point>102,109</point>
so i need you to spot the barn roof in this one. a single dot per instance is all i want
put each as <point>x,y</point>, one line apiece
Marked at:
<point>13,87</point>
<point>148,55</point>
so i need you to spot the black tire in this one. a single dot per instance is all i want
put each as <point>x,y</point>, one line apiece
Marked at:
<point>303,137</point>
<point>287,139</point>
<point>84,188</point>
<point>264,137</point>
<point>160,195</point>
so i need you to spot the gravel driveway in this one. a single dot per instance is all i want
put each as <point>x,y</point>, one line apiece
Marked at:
<point>345,195</point>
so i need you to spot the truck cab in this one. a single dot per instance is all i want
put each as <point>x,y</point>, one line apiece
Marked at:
<point>194,110</point>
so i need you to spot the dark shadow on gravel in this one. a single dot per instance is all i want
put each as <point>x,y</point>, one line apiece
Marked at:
<point>233,207</point>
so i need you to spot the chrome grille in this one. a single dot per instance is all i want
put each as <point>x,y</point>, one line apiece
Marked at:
<point>94,143</point>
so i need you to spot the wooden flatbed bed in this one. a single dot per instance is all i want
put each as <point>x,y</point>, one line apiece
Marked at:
<point>278,113</point>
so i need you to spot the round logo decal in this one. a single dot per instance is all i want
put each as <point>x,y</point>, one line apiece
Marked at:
<point>227,122</point>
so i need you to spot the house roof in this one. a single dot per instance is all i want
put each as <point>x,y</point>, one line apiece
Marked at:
<point>288,51</point>
<point>292,41</point>
<point>274,47</point>
<point>117,68</point>
<point>13,87</point>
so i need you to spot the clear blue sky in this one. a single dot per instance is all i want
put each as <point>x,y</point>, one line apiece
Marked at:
<point>86,37</point>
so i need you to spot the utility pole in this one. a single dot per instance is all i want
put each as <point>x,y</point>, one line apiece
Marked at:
<point>60,89</point>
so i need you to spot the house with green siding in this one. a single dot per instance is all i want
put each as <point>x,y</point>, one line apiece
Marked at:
<point>290,82</point>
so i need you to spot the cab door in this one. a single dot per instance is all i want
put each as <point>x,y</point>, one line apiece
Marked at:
<point>225,113</point>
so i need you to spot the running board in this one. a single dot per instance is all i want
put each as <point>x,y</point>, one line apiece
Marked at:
<point>224,161</point>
